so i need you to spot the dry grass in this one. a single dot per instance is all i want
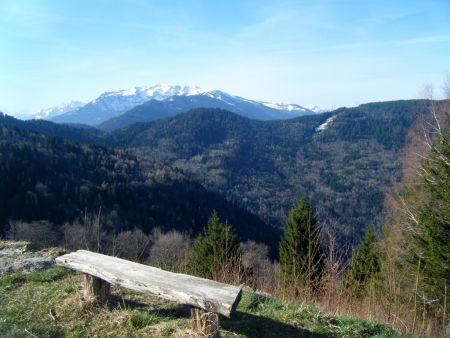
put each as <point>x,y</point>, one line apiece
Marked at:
<point>49,303</point>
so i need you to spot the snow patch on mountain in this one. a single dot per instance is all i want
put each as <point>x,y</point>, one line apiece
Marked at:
<point>285,107</point>
<point>326,124</point>
<point>317,109</point>
<point>156,92</point>
<point>295,109</point>
<point>222,96</point>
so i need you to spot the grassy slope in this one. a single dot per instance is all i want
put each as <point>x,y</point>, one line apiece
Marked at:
<point>49,303</point>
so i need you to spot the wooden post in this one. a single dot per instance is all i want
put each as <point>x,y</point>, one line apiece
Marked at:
<point>95,289</point>
<point>204,322</point>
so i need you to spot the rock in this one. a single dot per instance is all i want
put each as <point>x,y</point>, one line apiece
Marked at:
<point>14,257</point>
<point>10,248</point>
<point>27,264</point>
<point>9,252</point>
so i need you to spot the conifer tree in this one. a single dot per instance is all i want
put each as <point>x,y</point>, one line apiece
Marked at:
<point>215,250</point>
<point>301,257</point>
<point>364,264</point>
<point>432,235</point>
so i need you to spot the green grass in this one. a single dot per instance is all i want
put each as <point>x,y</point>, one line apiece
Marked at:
<point>49,303</point>
<point>263,317</point>
<point>141,319</point>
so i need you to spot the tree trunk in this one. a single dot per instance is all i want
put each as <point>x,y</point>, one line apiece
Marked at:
<point>205,323</point>
<point>95,289</point>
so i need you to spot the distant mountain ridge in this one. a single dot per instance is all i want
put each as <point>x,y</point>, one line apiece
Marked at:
<point>113,104</point>
<point>157,109</point>
<point>63,108</point>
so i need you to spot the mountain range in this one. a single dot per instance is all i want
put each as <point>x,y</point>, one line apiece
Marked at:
<point>158,109</point>
<point>118,109</point>
<point>344,161</point>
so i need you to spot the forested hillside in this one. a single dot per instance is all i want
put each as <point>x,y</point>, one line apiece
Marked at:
<point>74,132</point>
<point>47,178</point>
<point>344,169</point>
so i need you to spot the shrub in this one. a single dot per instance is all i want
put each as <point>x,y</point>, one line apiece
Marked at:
<point>259,270</point>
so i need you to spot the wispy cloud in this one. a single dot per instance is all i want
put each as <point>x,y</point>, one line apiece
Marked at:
<point>292,51</point>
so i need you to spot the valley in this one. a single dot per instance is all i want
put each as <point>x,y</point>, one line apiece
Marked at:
<point>344,166</point>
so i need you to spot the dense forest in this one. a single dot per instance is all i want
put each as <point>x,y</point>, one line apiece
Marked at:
<point>264,166</point>
<point>48,178</point>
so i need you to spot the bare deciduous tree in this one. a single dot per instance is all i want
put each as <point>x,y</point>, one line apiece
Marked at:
<point>132,245</point>
<point>40,234</point>
<point>260,271</point>
<point>169,250</point>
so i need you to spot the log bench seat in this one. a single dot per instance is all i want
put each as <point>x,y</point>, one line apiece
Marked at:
<point>207,298</point>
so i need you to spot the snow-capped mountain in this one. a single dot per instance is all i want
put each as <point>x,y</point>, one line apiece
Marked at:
<point>57,110</point>
<point>258,109</point>
<point>157,92</point>
<point>113,104</point>
<point>155,110</point>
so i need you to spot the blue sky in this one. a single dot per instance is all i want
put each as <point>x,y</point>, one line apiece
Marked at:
<point>329,53</point>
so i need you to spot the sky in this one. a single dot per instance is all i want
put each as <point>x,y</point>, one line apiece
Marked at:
<point>328,53</point>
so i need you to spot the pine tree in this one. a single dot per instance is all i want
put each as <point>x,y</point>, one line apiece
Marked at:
<point>364,264</point>
<point>301,257</point>
<point>216,251</point>
<point>432,235</point>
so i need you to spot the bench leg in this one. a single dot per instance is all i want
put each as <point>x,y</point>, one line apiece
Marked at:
<point>95,288</point>
<point>204,322</point>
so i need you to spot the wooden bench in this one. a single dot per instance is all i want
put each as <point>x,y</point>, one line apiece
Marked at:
<point>207,298</point>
